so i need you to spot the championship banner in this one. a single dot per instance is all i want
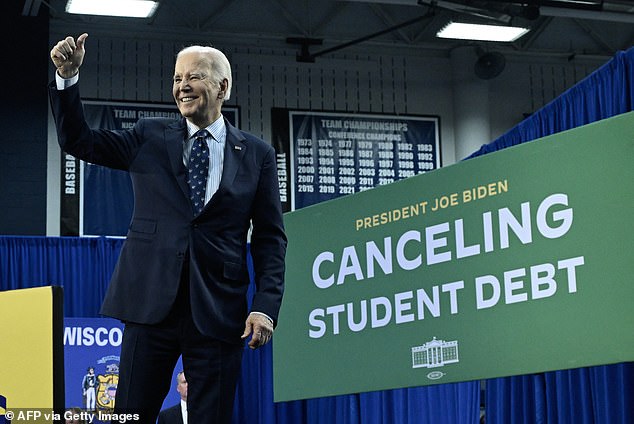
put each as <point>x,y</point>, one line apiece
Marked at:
<point>512,263</point>
<point>92,348</point>
<point>96,200</point>
<point>322,155</point>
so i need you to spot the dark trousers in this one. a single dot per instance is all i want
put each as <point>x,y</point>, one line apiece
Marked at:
<point>148,357</point>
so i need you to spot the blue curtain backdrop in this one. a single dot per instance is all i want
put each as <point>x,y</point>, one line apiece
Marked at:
<point>606,92</point>
<point>82,266</point>
<point>602,394</point>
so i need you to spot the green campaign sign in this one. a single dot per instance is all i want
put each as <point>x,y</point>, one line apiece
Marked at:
<point>512,263</point>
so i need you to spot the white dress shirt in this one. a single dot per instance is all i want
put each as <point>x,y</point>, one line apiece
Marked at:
<point>216,144</point>
<point>184,410</point>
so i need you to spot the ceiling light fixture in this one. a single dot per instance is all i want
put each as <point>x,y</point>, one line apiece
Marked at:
<point>121,8</point>
<point>481,32</point>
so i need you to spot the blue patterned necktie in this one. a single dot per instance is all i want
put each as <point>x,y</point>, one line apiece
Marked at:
<point>198,170</point>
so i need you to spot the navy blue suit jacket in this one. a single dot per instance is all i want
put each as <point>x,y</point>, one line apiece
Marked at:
<point>171,415</point>
<point>164,233</point>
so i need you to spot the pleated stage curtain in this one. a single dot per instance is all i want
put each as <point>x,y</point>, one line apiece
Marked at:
<point>606,92</point>
<point>82,266</point>
<point>595,395</point>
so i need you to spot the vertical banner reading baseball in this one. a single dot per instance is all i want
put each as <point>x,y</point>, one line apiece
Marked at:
<point>325,155</point>
<point>512,263</point>
<point>97,200</point>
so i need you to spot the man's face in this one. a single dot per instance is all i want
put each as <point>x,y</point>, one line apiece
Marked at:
<point>181,387</point>
<point>197,96</point>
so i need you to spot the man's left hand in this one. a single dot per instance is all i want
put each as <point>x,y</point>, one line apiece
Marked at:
<point>261,329</point>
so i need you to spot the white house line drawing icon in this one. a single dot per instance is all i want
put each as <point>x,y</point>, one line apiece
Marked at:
<point>435,353</point>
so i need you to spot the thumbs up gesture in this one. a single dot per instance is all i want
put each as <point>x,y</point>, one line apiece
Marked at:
<point>68,55</point>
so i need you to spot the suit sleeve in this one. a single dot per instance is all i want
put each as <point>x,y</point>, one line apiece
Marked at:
<point>111,148</point>
<point>268,241</point>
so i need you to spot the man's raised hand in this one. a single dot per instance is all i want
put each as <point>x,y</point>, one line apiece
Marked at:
<point>68,55</point>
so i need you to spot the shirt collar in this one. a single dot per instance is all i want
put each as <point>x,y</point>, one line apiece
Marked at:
<point>217,129</point>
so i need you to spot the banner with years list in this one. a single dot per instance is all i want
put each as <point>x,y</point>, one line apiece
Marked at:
<point>512,263</point>
<point>325,155</point>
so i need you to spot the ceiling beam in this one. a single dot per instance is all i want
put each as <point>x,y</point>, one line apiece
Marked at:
<point>387,20</point>
<point>587,14</point>
<point>466,9</point>
<point>572,4</point>
<point>288,16</point>
<point>334,11</point>
<point>536,31</point>
<point>433,21</point>
<point>306,56</point>
<point>594,35</point>
<point>216,14</point>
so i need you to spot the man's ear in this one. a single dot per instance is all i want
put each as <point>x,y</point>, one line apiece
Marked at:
<point>224,84</point>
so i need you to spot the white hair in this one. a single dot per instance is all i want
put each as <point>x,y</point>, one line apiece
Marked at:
<point>218,63</point>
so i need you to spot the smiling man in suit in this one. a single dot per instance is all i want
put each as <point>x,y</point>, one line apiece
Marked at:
<point>181,281</point>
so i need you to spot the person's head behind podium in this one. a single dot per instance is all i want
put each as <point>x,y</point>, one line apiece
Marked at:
<point>181,385</point>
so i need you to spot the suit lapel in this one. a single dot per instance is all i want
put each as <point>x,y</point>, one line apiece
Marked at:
<point>235,148</point>
<point>174,138</point>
